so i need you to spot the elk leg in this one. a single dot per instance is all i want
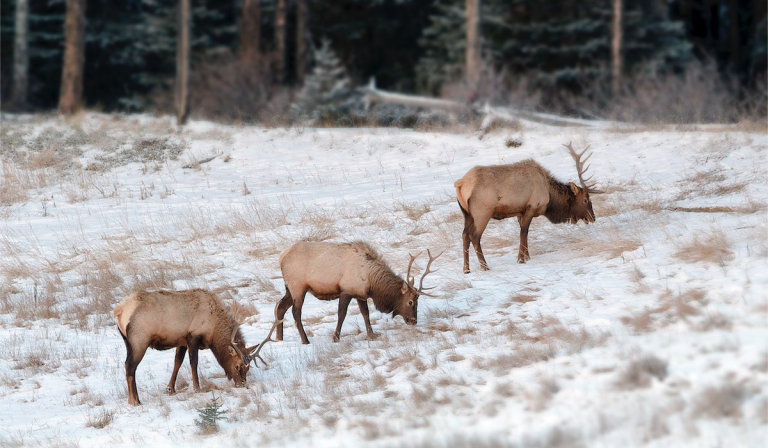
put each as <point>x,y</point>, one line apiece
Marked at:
<point>525,223</point>
<point>280,310</point>
<point>480,224</point>
<point>468,229</point>
<point>363,304</point>
<point>194,345</point>
<point>344,300</point>
<point>181,352</point>
<point>298,302</point>
<point>132,360</point>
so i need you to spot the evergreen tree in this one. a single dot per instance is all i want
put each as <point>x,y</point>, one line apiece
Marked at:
<point>558,43</point>
<point>326,92</point>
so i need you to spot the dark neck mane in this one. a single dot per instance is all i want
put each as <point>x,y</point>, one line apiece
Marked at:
<point>560,201</point>
<point>222,335</point>
<point>385,287</point>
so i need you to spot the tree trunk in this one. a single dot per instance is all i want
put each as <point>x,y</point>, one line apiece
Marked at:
<point>20,55</point>
<point>473,54</point>
<point>301,40</point>
<point>733,36</point>
<point>182,63</point>
<point>250,32</point>
<point>616,44</point>
<point>71,96</point>
<point>280,10</point>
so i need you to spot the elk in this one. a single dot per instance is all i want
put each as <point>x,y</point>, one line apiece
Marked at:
<point>525,190</point>
<point>346,271</point>
<point>194,319</point>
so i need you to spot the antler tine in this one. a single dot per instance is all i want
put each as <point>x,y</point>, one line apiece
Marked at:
<point>580,169</point>
<point>233,345</point>
<point>408,277</point>
<point>254,355</point>
<point>427,270</point>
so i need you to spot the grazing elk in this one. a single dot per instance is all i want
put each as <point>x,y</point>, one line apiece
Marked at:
<point>195,320</point>
<point>523,189</point>
<point>346,271</point>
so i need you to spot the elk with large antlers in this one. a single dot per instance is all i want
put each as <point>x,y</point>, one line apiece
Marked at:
<point>346,271</point>
<point>525,190</point>
<point>195,320</point>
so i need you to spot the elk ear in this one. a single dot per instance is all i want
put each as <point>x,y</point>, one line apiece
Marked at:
<point>232,351</point>
<point>404,288</point>
<point>574,188</point>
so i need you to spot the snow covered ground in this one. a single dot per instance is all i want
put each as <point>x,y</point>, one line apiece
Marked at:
<point>646,328</point>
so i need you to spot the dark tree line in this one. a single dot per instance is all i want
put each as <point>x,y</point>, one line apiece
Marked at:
<point>129,46</point>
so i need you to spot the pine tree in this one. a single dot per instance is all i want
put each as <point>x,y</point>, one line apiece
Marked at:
<point>210,415</point>
<point>326,92</point>
<point>558,44</point>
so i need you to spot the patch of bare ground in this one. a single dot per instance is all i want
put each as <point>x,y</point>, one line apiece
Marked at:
<point>712,246</point>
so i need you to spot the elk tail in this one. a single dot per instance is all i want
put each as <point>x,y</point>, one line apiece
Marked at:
<point>118,313</point>
<point>462,196</point>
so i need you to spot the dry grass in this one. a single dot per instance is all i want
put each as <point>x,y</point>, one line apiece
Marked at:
<point>675,307</point>
<point>100,420</point>
<point>712,247</point>
<point>547,339</point>
<point>721,401</point>
<point>713,182</point>
<point>414,211</point>
<point>640,371</point>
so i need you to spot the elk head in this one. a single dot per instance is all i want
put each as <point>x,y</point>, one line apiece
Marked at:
<point>408,304</point>
<point>237,365</point>
<point>581,205</point>
<point>242,356</point>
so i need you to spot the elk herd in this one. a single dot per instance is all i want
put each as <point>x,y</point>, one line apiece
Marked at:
<point>197,319</point>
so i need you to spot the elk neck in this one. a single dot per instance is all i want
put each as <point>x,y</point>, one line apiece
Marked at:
<point>560,201</point>
<point>384,287</point>
<point>221,337</point>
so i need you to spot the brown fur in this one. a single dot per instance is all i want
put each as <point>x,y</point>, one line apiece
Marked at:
<point>525,190</point>
<point>343,271</point>
<point>194,319</point>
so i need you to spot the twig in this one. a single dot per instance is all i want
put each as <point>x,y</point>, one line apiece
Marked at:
<point>197,163</point>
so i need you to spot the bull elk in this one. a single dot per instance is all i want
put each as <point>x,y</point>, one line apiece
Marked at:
<point>194,319</point>
<point>525,190</point>
<point>346,271</point>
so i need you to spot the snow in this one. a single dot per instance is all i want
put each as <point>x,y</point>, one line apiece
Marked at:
<point>522,355</point>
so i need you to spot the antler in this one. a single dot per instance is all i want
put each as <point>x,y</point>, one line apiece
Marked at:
<point>580,168</point>
<point>233,345</point>
<point>411,280</point>
<point>254,355</point>
<point>427,271</point>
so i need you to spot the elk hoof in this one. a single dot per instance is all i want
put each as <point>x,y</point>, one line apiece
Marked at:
<point>484,268</point>
<point>521,260</point>
<point>336,338</point>
<point>170,391</point>
<point>466,271</point>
